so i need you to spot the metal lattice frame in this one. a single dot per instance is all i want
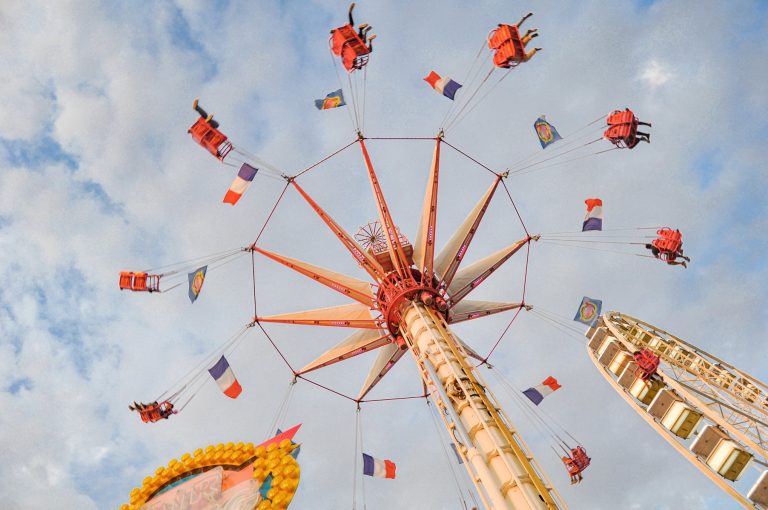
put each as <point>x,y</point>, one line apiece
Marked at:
<point>725,396</point>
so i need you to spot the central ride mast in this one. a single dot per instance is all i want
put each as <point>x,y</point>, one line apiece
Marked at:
<point>499,462</point>
<point>416,307</point>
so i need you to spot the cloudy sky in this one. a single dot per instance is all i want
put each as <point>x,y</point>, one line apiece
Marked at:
<point>98,175</point>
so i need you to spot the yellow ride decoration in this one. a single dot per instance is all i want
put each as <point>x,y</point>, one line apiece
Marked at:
<point>230,476</point>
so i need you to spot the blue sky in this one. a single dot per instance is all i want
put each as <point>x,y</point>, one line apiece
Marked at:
<point>98,175</point>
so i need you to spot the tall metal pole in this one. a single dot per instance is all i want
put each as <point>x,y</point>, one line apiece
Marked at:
<point>498,461</point>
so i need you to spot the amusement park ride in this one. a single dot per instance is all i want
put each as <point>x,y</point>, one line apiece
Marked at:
<point>712,413</point>
<point>415,293</point>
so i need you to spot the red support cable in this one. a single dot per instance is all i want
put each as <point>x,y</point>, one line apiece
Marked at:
<point>253,273</point>
<point>324,159</point>
<point>269,217</point>
<point>400,138</point>
<point>326,388</point>
<point>367,401</point>
<point>522,302</point>
<point>485,360</point>
<point>471,158</point>
<point>293,371</point>
<point>515,206</point>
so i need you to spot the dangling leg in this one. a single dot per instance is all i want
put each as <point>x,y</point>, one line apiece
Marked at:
<point>199,110</point>
<point>522,20</point>
<point>527,37</point>
<point>361,30</point>
<point>530,54</point>
<point>645,137</point>
<point>370,43</point>
<point>351,20</point>
<point>644,124</point>
<point>364,33</point>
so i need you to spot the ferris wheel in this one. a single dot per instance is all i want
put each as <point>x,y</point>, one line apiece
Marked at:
<point>713,414</point>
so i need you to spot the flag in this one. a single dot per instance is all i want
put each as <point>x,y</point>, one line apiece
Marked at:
<point>445,86</point>
<point>332,100</point>
<point>546,132</point>
<point>240,184</point>
<point>589,311</point>
<point>378,468</point>
<point>225,378</point>
<point>294,453</point>
<point>537,393</point>
<point>196,279</point>
<point>593,220</point>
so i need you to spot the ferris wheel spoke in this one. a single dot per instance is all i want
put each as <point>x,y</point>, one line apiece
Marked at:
<point>353,315</point>
<point>371,266</point>
<point>468,310</point>
<point>357,343</point>
<point>469,278</point>
<point>424,247</point>
<point>386,359</point>
<point>359,290</point>
<point>450,257</point>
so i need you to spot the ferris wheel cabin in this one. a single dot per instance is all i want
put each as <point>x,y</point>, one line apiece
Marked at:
<point>725,456</point>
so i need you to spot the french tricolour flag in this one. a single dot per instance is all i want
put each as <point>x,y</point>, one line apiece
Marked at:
<point>594,217</point>
<point>240,184</point>
<point>445,86</point>
<point>225,378</point>
<point>537,393</point>
<point>378,468</point>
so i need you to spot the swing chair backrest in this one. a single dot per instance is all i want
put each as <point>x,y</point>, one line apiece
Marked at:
<point>509,48</point>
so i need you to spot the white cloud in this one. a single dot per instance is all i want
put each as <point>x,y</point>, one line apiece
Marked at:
<point>655,74</point>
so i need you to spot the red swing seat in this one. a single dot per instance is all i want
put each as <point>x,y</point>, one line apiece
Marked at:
<point>508,45</point>
<point>347,44</point>
<point>210,138</point>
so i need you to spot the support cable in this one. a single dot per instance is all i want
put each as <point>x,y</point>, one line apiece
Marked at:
<point>341,86</point>
<point>470,158</point>
<point>448,460</point>
<point>469,81</point>
<point>324,159</point>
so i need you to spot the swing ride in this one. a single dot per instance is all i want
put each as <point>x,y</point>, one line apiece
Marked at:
<point>414,293</point>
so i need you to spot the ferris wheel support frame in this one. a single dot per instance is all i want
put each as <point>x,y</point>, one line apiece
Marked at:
<point>667,436</point>
<point>717,391</point>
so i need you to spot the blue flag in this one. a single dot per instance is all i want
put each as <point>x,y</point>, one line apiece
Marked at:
<point>546,132</point>
<point>332,100</point>
<point>589,311</point>
<point>265,486</point>
<point>196,279</point>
